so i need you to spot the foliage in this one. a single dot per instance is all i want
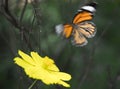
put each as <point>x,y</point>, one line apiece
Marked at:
<point>96,65</point>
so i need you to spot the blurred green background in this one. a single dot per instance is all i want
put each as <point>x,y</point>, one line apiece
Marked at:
<point>94,66</point>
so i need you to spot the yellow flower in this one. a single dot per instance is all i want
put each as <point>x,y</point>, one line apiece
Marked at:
<point>42,68</point>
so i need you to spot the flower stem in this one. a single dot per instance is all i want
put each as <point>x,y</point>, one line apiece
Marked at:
<point>30,87</point>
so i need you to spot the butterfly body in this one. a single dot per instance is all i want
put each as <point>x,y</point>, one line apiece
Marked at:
<point>81,27</point>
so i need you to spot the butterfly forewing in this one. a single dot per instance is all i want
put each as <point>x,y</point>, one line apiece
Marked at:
<point>82,16</point>
<point>64,30</point>
<point>67,30</point>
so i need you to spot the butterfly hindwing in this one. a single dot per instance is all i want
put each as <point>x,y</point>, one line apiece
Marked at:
<point>88,29</point>
<point>78,39</point>
<point>81,31</point>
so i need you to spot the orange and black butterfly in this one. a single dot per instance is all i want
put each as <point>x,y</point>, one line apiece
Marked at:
<point>81,27</point>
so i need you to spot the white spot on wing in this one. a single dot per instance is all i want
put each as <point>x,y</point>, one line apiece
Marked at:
<point>89,8</point>
<point>59,28</point>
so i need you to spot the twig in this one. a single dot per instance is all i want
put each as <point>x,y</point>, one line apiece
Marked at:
<point>23,10</point>
<point>87,68</point>
<point>103,32</point>
<point>37,14</point>
<point>8,15</point>
<point>37,17</point>
<point>111,81</point>
<point>30,87</point>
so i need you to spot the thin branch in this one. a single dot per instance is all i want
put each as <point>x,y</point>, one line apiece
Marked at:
<point>30,87</point>
<point>103,33</point>
<point>11,18</point>
<point>37,11</point>
<point>87,68</point>
<point>23,10</point>
<point>37,17</point>
<point>8,15</point>
<point>33,20</point>
<point>111,81</point>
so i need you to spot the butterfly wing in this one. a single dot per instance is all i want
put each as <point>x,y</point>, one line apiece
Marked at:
<point>85,13</point>
<point>65,30</point>
<point>82,16</point>
<point>78,39</point>
<point>82,30</point>
<point>82,27</point>
<point>88,29</point>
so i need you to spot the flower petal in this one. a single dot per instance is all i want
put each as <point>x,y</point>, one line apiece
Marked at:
<point>36,58</point>
<point>63,76</point>
<point>26,57</point>
<point>64,84</point>
<point>50,64</point>
<point>21,62</point>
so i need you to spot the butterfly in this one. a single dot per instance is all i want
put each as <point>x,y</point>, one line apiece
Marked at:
<point>81,28</point>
